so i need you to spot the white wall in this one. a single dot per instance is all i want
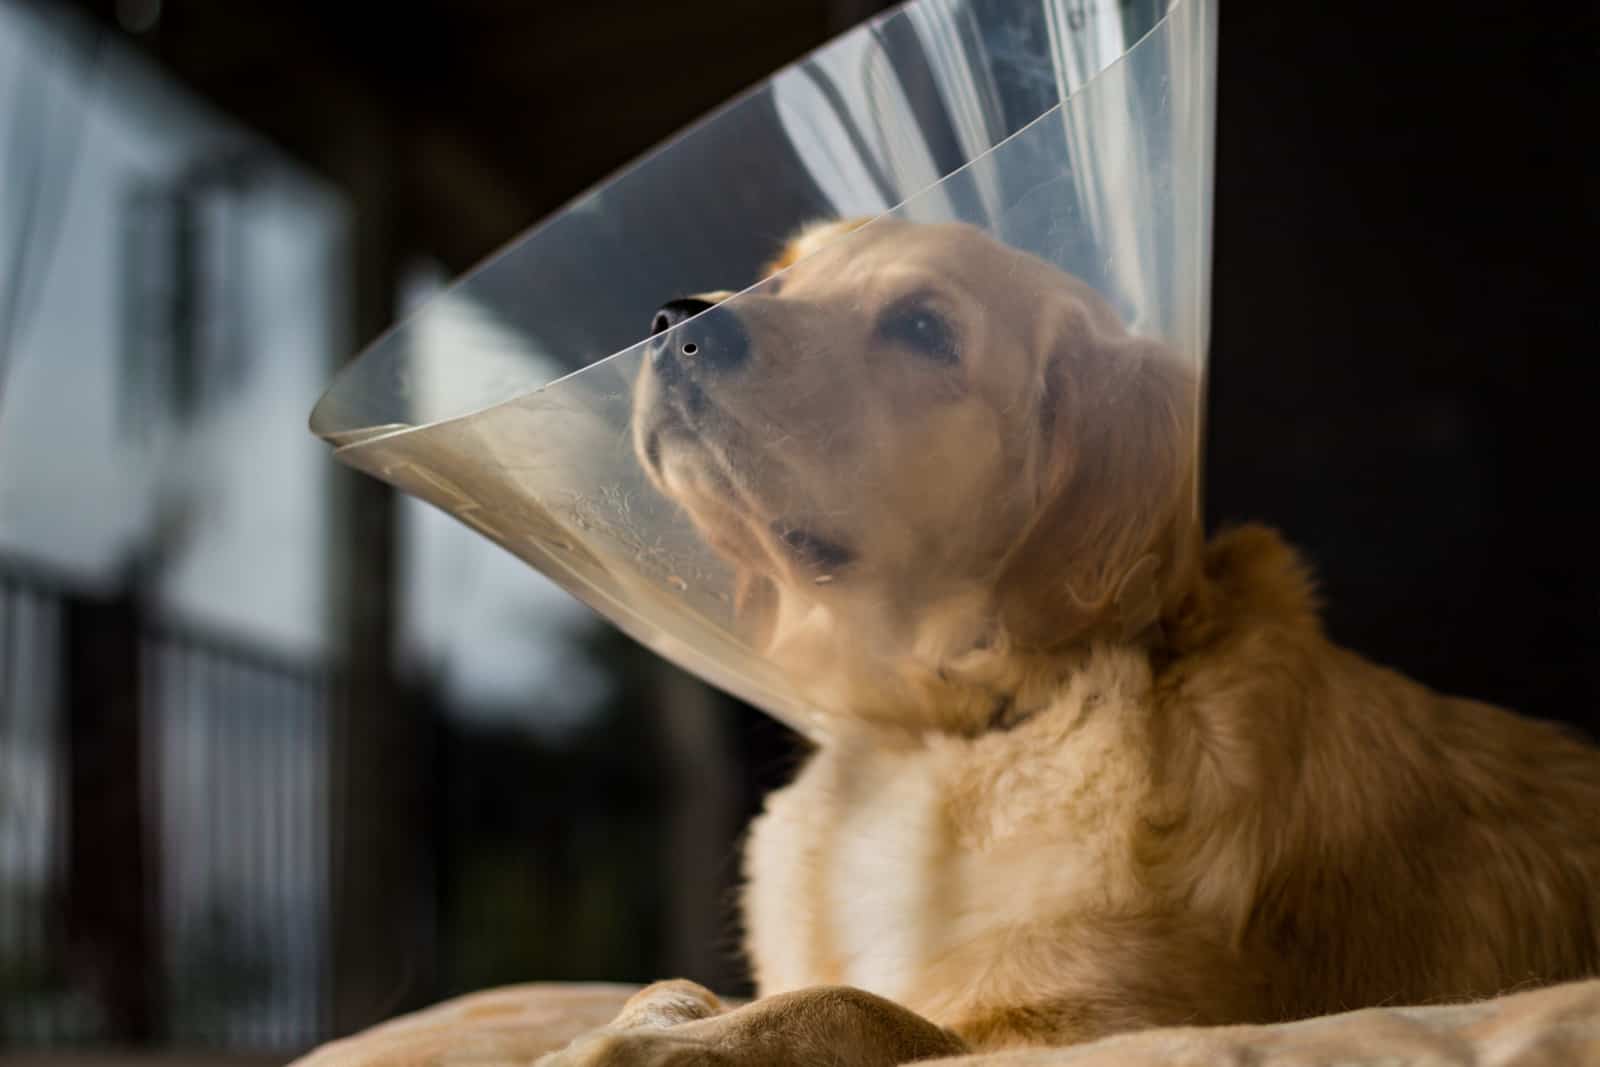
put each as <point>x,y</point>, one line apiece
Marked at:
<point>79,494</point>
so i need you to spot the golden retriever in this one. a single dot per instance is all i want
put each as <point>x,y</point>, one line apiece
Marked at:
<point>1089,775</point>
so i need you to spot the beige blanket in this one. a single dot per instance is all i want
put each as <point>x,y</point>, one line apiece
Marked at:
<point>1558,1027</point>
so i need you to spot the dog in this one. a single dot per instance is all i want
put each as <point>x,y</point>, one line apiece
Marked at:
<point>1084,773</point>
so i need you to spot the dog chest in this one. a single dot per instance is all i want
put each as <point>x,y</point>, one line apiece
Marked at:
<point>877,867</point>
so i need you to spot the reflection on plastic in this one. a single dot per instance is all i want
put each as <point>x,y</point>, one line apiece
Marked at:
<point>914,452</point>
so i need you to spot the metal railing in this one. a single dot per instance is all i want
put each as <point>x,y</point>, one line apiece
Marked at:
<point>164,831</point>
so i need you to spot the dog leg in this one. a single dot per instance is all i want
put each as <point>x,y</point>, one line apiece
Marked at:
<point>836,1025</point>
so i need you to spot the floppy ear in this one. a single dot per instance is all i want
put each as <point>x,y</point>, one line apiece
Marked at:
<point>1112,541</point>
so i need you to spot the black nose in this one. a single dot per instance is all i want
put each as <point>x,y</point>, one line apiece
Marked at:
<point>676,311</point>
<point>718,342</point>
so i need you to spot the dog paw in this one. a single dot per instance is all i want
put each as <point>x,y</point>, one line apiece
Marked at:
<point>646,1032</point>
<point>634,1048</point>
<point>668,1004</point>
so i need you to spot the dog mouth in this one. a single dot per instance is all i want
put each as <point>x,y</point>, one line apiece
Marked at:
<point>670,425</point>
<point>812,550</point>
<point>820,556</point>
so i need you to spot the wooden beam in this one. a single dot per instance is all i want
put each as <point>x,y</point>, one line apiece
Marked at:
<point>112,858</point>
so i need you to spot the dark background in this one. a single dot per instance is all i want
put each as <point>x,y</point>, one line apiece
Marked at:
<point>1403,359</point>
<point>1403,381</point>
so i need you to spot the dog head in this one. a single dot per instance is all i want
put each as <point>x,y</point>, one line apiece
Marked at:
<point>920,449</point>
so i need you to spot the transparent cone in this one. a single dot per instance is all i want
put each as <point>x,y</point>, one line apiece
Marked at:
<point>909,451</point>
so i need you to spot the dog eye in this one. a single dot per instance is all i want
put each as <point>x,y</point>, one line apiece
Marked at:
<point>811,549</point>
<point>922,330</point>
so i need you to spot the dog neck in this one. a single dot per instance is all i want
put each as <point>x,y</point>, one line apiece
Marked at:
<point>949,668</point>
<point>1014,685</point>
<point>1246,577</point>
<point>999,689</point>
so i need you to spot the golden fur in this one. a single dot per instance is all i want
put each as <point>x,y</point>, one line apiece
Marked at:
<point>1093,777</point>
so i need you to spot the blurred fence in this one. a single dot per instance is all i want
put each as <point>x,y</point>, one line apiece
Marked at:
<point>183,865</point>
<point>164,831</point>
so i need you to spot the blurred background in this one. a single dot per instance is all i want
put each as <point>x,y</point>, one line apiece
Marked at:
<point>282,755</point>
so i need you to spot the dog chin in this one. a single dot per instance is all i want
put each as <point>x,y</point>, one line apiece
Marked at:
<point>662,441</point>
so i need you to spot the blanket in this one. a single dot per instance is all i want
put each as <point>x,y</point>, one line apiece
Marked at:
<point>1558,1026</point>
